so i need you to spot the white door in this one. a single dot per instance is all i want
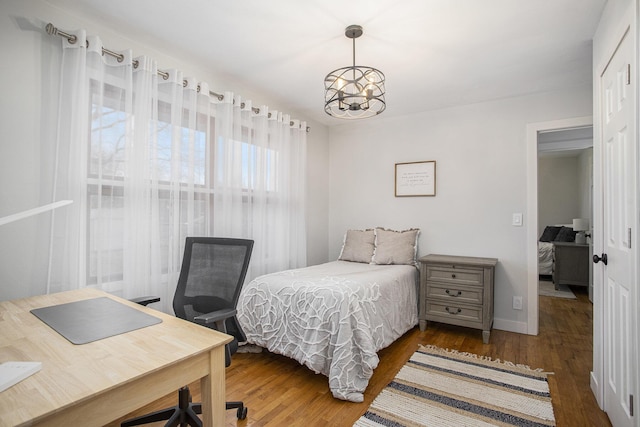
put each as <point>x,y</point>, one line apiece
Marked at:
<point>619,219</point>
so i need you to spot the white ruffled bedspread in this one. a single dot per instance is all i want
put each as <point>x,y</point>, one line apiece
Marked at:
<point>332,317</point>
<point>545,258</point>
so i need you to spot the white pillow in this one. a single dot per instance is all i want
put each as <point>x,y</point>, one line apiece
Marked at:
<point>395,247</point>
<point>357,246</point>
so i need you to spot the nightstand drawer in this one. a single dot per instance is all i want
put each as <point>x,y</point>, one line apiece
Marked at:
<point>441,311</point>
<point>457,294</point>
<point>452,274</point>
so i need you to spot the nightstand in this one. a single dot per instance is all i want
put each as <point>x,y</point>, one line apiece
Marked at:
<point>457,290</point>
<point>570,264</point>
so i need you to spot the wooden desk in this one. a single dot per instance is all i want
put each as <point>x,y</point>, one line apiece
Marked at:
<point>95,383</point>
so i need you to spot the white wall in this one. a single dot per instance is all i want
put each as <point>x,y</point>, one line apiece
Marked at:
<point>558,191</point>
<point>480,174</point>
<point>25,159</point>
<point>564,188</point>
<point>585,185</point>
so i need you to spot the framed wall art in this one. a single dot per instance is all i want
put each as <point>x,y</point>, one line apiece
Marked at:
<point>416,179</point>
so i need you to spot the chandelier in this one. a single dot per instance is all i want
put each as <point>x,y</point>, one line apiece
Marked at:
<point>354,92</point>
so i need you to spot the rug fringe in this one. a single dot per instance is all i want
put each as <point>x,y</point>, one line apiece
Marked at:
<point>480,357</point>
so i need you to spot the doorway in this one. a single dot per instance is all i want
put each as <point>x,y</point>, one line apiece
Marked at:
<point>565,199</point>
<point>534,130</point>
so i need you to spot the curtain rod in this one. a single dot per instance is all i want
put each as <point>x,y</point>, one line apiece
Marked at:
<point>54,31</point>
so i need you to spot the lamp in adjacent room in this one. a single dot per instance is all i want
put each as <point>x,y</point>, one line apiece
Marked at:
<point>356,91</point>
<point>581,225</point>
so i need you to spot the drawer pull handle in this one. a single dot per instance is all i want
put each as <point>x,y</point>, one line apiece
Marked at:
<point>450,311</point>
<point>451,294</point>
<point>453,276</point>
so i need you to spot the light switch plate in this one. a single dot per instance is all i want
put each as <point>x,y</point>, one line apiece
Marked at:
<point>516,221</point>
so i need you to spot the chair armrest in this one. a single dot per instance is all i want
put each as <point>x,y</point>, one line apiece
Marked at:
<point>215,316</point>
<point>145,300</point>
<point>217,320</point>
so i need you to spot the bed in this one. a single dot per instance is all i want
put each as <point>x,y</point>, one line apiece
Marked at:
<point>335,317</point>
<point>545,258</point>
<point>552,233</point>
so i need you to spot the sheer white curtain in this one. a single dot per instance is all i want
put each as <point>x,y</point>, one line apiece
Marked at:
<point>260,182</point>
<point>150,159</point>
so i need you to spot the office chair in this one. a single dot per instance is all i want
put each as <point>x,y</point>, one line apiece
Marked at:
<point>211,278</point>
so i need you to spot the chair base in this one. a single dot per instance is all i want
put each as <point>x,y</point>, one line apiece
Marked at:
<point>184,414</point>
<point>241,412</point>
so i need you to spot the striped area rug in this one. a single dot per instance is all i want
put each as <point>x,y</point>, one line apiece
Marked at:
<point>445,388</point>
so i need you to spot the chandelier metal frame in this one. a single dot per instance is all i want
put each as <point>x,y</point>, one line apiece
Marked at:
<point>356,91</point>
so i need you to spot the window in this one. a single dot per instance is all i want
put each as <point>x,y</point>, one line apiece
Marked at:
<point>258,165</point>
<point>149,161</point>
<point>176,179</point>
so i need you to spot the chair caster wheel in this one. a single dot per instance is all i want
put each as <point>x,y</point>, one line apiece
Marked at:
<point>242,413</point>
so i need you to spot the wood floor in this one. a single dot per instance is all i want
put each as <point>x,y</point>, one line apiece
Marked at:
<point>280,392</point>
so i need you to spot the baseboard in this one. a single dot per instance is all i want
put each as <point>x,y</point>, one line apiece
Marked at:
<point>595,389</point>
<point>510,326</point>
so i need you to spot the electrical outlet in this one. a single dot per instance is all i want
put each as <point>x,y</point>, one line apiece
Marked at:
<point>517,303</point>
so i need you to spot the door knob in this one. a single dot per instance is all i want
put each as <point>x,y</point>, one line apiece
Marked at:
<point>597,259</point>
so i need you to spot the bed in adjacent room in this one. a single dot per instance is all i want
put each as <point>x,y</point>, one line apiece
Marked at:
<point>545,258</point>
<point>551,233</point>
<point>335,317</point>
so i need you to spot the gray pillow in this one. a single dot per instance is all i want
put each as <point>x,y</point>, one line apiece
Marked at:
<point>357,246</point>
<point>566,234</point>
<point>395,247</point>
<point>550,232</point>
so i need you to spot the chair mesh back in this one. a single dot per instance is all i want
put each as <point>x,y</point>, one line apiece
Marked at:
<point>212,275</point>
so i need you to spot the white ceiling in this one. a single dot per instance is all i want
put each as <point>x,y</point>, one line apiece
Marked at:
<point>434,53</point>
<point>565,143</point>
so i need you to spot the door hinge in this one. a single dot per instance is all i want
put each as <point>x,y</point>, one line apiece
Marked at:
<point>628,74</point>
<point>631,405</point>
